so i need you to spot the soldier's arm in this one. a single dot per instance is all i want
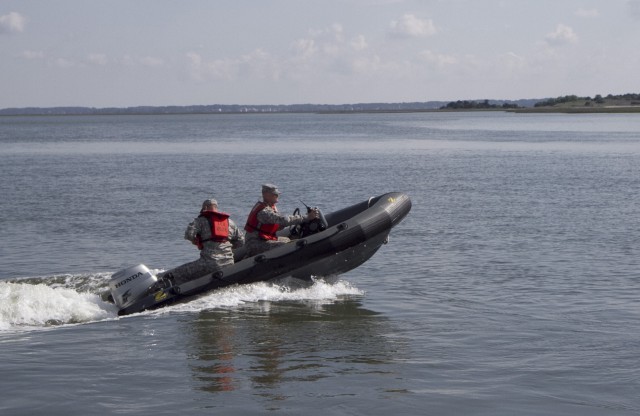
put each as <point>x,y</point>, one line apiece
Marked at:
<point>269,216</point>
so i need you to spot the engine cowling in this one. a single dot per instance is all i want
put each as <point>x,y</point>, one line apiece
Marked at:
<point>129,284</point>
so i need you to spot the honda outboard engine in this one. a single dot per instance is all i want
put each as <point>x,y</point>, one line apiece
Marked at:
<point>129,284</point>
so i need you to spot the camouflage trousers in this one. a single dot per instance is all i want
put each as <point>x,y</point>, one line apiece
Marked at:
<point>257,245</point>
<point>211,259</point>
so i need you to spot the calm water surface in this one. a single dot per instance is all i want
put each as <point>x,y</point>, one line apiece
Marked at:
<point>511,287</point>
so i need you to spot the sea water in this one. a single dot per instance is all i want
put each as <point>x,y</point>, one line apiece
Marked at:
<point>512,287</point>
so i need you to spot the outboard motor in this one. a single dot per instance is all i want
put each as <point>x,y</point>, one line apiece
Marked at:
<point>129,284</point>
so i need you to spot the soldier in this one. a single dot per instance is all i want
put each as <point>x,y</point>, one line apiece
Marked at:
<point>265,220</point>
<point>215,235</point>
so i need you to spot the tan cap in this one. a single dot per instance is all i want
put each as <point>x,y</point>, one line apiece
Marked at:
<point>270,188</point>
<point>208,202</point>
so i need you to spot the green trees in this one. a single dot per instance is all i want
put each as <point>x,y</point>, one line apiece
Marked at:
<point>632,99</point>
<point>560,100</point>
<point>476,105</point>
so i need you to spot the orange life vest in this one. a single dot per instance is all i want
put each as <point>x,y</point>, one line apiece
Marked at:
<point>219,222</point>
<point>265,231</point>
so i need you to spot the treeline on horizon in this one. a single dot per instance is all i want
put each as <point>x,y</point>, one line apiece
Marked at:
<point>633,99</point>
<point>630,99</point>
<point>478,105</point>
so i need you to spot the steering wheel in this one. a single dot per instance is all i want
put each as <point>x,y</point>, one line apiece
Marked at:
<point>296,230</point>
<point>308,227</point>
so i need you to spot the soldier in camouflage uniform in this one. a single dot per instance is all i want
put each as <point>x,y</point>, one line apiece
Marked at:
<point>215,251</point>
<point>265,220</point>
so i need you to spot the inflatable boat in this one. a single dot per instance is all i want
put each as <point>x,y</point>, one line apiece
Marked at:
<point>330,245</point>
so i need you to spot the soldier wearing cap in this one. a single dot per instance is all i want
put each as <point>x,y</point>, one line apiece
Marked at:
<point>216,235</point>
<point>264,221</point>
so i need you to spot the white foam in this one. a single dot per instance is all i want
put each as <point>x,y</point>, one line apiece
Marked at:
<point>319,292</point>
<point>41,302</point>
<point>28,305</point>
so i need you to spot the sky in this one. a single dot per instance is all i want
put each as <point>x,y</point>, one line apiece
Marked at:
<point>124,53</point>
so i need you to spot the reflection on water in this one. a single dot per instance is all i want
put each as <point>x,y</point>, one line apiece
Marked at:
<point>215,366</point>
<point>272,347</point>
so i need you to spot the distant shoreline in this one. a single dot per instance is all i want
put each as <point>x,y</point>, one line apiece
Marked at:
<point>246,109</point>
<point>527,106</point>
<point>612,110</point>
<point>231,113</point>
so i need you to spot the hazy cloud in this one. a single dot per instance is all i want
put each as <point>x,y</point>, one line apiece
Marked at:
<point>151,61</point>
<point>411,26</point>
<point>587,13</point>
<point>305,48</point>
<point>438,59</point>
<point>97,59</point>
<point>321,53</point>
<point>219,69</point>
<point>363,65</point>
<point>328,43</point>
<point>561,36</point>
<point>359,43</point>
<point>63,63</point>
<point>32,55</point>
<point>12,23</point>
<point>328,40</point>
<point>511,62</point>
<point>257,64</point>
<point>148,61</point>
